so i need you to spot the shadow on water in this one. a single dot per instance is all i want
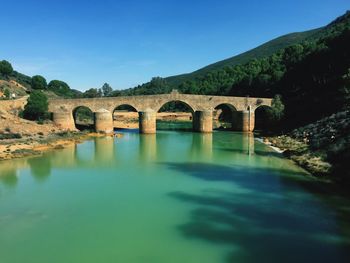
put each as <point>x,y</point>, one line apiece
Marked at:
<point>266,216</point>
<point>125,130</point>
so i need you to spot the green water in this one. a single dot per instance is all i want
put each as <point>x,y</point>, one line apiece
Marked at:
<point>174,197</point>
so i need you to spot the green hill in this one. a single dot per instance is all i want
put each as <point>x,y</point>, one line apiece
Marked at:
<point>264,50</point>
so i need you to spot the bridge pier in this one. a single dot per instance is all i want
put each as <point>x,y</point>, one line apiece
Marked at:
<point>104,121</point>
<point>64,120</point>
<point>147,122</point>
<point>244,121</point>
<point>203,121</point>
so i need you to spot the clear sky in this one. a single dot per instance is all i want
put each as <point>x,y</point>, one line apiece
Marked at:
<point>127,42</point>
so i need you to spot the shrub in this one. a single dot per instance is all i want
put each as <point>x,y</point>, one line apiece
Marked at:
<point>7,93</point>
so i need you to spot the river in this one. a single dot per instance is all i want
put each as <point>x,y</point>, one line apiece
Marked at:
<point>168,198</point>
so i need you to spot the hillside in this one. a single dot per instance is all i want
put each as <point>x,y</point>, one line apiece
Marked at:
<point>261,51</point>
<point>264,50</point>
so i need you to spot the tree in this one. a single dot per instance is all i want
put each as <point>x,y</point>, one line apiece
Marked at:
<point>39,82</point>
<point>61,88</point>
<point>345,90</point>
<point>5,68</point>
<point>107,90</point>
<point>116,93</point>
<point>276,111</point>
<point>36,107</point>
<point>92,93</point>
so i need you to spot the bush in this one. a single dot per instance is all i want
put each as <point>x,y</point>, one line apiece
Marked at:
<point>37,106</point>
<point>7,93</point>
<point>39,83</point>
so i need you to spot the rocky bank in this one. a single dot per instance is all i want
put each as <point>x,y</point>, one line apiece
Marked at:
<point>322,147</point>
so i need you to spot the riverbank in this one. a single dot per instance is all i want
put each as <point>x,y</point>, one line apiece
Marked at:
<point>322,147</point>
<point>300,153</point>
<point>37,144</point>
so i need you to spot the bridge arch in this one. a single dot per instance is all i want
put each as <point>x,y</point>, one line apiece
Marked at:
<point>125,105</point>
<point>262,117</point>
<point>224,116</point>
<point>175,115</point>
<point>187,104</point>
<point>83,117</point>
<point>125,116</point>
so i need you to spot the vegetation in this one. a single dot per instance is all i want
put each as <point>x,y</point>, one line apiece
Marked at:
<point>5,68</point>
<point>22,79</point>
<point>106,90</point>
<point>37,106</point>
<point>7,136</point>
<point>276,111</point>
<point>39,82</point>
<point>92,93</point>
<point>62,89</point>
<point>7,94</point>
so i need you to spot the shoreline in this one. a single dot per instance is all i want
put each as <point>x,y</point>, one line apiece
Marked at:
<point>300,153</point>
<point>269,144</point>
<point>33,146</point>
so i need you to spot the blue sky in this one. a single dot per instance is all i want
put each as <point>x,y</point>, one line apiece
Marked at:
<point>126,43</point>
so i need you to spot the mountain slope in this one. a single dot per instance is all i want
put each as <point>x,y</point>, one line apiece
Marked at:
<point>261,51</point>
<point>264,50</point>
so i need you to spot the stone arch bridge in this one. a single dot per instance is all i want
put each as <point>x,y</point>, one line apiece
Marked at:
<point>202,107</point>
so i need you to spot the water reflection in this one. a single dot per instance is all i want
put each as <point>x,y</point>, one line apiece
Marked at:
<point>202,146</point>
<point>104,151</point>
<point>9,178</point>
<point>40,167</point>
<point>65,157</point>
<point>99,152</point>
<point>148,147</point>
<point>9,171</point>
<point>248,143</point>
